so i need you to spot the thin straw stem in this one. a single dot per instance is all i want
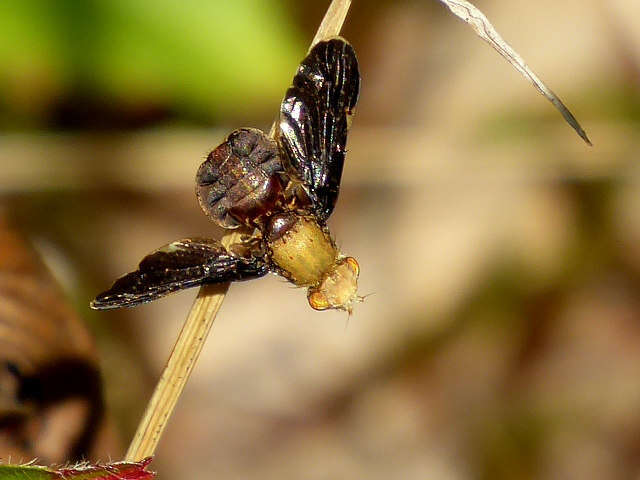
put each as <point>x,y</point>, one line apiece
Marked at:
<point>176,373</point>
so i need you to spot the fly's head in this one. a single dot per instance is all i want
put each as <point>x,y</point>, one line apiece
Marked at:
<point>339,287</point>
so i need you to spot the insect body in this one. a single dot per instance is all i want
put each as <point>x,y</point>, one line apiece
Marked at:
<point>280,191</point>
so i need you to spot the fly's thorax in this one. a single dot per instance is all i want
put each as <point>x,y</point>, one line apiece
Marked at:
<point>301,249</point>
<point>256,195</point>
<point>338,288</point>
<point>239,183</point>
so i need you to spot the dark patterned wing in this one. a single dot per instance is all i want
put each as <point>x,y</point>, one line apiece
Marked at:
<point>179,265</point>
<point>238,182</point>
<point>314,119</point>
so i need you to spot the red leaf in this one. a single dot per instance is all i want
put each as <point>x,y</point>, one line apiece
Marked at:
<point>111,471</point>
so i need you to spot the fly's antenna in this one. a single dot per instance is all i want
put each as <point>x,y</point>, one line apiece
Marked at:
<point>360,298</point>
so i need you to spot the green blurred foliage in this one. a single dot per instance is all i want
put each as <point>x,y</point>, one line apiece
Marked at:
<point>198,59</point>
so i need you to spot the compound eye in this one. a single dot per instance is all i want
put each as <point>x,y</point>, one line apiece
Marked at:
<point>318,301</point>
<point>353,265</point>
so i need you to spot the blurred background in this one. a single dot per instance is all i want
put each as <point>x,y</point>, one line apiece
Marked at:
<point>502,339</point>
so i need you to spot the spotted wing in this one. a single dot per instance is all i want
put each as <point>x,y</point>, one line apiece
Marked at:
<point>314,119</point>
<point>179,265</point>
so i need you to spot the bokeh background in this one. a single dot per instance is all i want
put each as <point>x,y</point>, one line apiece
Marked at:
<point>502,336</point>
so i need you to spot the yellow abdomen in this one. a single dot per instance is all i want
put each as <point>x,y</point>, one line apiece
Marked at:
<point>301,249</point>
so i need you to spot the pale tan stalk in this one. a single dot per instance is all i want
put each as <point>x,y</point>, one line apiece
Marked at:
<point>179,366</point>
<point>200,319</point>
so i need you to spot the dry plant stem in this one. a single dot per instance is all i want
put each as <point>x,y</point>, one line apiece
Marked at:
<point>177,371</point>
<point>333,20</point>
<point>201,317</point>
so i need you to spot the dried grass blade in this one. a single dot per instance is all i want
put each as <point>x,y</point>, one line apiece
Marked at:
<point>481,25</point>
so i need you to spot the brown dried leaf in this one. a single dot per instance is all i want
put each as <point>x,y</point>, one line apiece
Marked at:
<point>51,404</point>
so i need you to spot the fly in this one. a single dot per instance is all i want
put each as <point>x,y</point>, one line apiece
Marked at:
<point>281,191</point>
